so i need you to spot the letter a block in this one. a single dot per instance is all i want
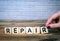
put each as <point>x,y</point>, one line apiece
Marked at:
<point>29,30</point>
<point>7,30</point>
<point>44,30</point>
<point>22,30</point>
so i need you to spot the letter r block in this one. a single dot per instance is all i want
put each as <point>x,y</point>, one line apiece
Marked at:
<point>44,30</point>
<point>7,30</point>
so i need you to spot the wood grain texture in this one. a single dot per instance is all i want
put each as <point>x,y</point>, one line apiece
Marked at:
<point>53,33</point>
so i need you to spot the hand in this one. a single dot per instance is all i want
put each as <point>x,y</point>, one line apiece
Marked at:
<point>51,20</point>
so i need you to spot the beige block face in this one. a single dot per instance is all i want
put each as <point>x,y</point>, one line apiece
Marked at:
<point>29,30</point>
<point>14,30</point>
<point>44,30</point>
<point>36,30</point>
<point>22,30</point>
<point>7,30</point>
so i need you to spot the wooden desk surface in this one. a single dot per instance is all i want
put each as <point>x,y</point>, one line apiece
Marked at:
<point>53,35</point>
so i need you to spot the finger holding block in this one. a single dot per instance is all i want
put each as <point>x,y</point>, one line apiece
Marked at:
<point>44,30</point>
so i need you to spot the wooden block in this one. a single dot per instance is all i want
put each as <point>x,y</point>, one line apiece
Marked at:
<point>29,30</point>
<point>7,30</point>
<point>36,30</point>
<point>22,30</point>
<point>44,30</point>
<point>14,30</point>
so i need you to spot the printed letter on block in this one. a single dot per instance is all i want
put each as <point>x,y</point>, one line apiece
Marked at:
<point>29,30</point>
<point>36,30</point>
<point>14,30</point>
<point>22,30</point>
<point>44,30</point>
<point>7,30</point>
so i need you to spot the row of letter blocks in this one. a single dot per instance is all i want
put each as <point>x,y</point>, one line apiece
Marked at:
<point>26,30</point>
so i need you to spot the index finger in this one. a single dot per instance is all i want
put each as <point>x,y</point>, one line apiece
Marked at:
<point>52,18</point>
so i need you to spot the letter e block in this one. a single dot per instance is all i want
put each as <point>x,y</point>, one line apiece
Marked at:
<point>14,30</point>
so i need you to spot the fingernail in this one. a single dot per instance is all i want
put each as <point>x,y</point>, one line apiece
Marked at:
<point>48,27</point>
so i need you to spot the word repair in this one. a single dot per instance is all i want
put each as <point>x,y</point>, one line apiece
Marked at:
<point>26,30</point>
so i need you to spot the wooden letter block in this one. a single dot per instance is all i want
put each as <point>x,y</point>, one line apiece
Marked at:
<point>29,30</point>
<point>14,30</point>
<point>36,30</point>
<point>22,30</point>
<point>7,30</point>
<point>44,30</point>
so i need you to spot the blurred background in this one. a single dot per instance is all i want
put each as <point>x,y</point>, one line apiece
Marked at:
<point>28,9</point>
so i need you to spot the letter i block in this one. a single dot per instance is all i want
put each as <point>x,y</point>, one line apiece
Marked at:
<point>22,30</point>
<point>14,30</point>
<point>7,30</point>
<point>36,30</point>
<point>29,30</point>
<point>44,30</point>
